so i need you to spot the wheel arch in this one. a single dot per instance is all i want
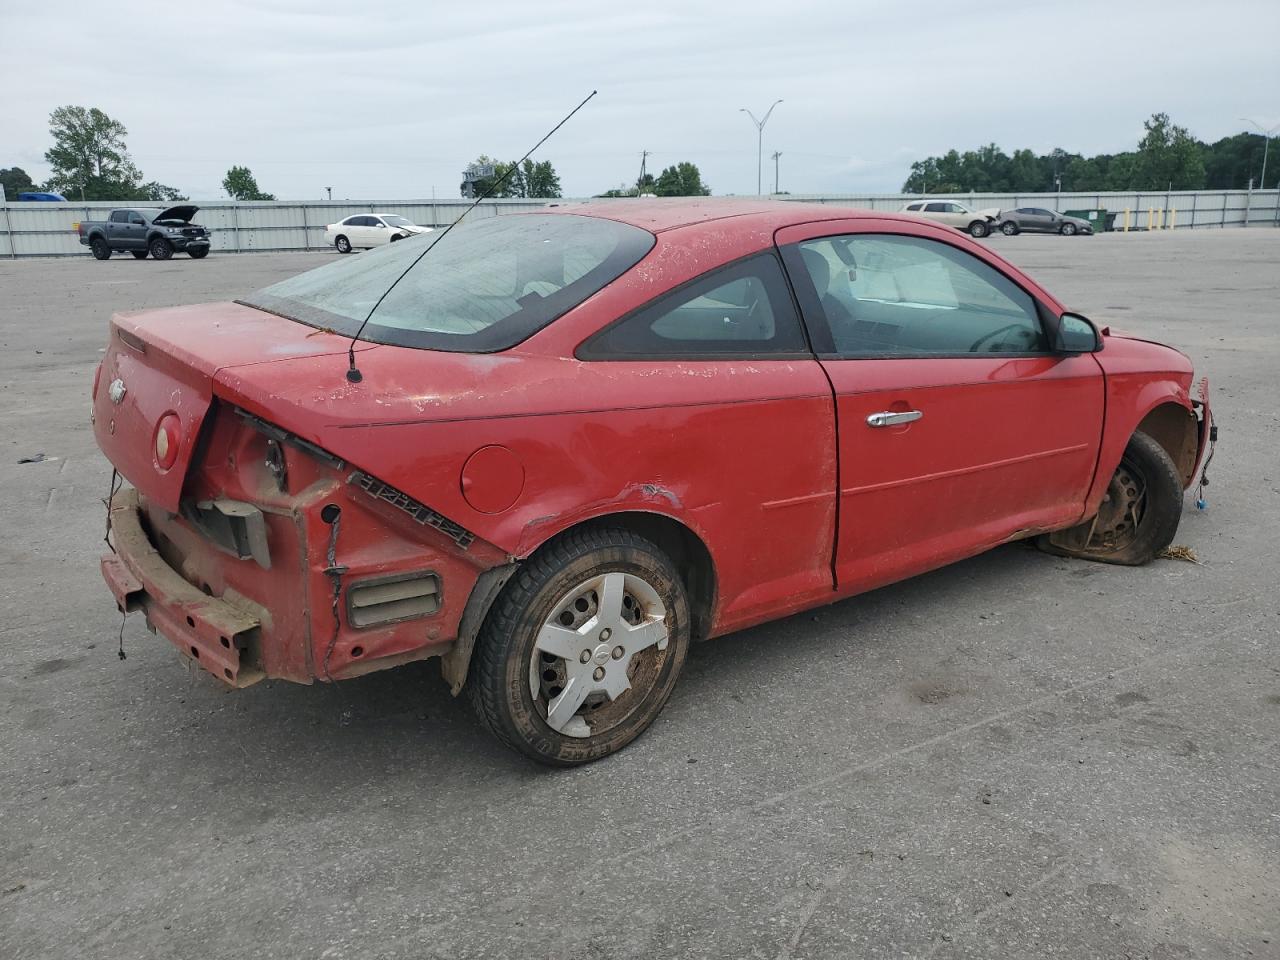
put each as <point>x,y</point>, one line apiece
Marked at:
<point>1165,413</point>
<point>684,547</point>
<point>1176,428</point>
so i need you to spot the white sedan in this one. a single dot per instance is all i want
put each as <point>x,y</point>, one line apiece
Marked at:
<point>976,223</point>
<point>370,230</point>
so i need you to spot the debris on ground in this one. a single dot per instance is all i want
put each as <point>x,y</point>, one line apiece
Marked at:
<point>37,458</point>
<point>1179,552</point>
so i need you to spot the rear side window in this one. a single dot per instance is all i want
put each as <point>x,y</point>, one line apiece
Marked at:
<point>491,284</point>
<point>936,207</point>
<point>744,309</point>
<point>914,206</point>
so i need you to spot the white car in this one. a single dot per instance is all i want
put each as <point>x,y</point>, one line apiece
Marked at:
<point>370,230</point>
<point>977,223</point>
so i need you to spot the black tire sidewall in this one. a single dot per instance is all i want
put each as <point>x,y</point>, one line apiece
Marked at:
<point>978,230</point>
<point>100,249</point>
<point>1009,229</point>
<point>160,249</point>
<point>500,667</point>
<point>1068,230</point>
<point>339,245</point>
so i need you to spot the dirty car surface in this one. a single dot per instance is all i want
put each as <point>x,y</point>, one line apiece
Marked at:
<point>582,438</point>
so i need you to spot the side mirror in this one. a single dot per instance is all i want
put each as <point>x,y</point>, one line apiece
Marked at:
<point>1072,333</point>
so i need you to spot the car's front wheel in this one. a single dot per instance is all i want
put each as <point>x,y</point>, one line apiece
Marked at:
<point>583,647</point>
<point>100,249</point>
<point>1139,514</point>
<point>1009,228</point>
<point>978,229</point>
<point>343,244</point>
<point>139,254</point>
<point>1068,229</point>
<point>160,249</point>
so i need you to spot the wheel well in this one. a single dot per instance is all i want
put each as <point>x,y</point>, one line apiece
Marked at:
<point>685,548</point>
<point>1175,428</point>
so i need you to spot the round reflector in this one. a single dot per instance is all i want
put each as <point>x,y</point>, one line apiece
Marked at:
<point>167,437</point>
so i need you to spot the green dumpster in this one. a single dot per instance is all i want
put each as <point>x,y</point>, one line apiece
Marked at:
<point>1098,219</point>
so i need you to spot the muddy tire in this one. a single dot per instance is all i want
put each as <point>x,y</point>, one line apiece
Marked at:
<point>139,254</point>
<point>100,249</point>
<point>978,229</point>
<point>552,676</point>
<point>1139,514</point>
<point>160,249</point>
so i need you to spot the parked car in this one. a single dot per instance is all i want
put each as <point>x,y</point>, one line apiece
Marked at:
<point>365,230</point>
<point>976,223</point>
<point>42,197</point>
<point>564,445</point>
<point>143,230</point>
<point>1040,220</point>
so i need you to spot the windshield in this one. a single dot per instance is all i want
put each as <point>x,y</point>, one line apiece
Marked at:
<point>492,283</point>
<point>395,221</point>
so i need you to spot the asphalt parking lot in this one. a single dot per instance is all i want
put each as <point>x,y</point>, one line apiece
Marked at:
<point>1017,756</point>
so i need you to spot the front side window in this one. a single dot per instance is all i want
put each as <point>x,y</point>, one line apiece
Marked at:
<point>744,309</point>
<point>119,216</point>
<point>394,221</point>
<point>489,285</point>
<point>899,296</point>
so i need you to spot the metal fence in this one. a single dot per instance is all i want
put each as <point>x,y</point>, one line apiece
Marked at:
<point>47,229</point>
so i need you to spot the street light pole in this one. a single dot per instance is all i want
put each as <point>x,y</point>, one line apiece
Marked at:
<point>1266,143</point>
<point>759,144</point>
<point>776,155</point>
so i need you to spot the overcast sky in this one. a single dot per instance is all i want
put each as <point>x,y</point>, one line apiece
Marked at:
<point>388,100</point>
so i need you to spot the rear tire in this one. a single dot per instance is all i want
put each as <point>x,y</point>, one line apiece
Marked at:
<point>139,254</point>
<point>978,229</point>
<point>199,253</point>
<point>1139,515</point>
<point>343,244</point>
<point>1009,228</point>
<point>100,249</point>
<point>160,249</point>
<point>613,607</point>
<point>1068,229</point>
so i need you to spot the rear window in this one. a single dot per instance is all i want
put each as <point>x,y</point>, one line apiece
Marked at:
<point>492,283</point>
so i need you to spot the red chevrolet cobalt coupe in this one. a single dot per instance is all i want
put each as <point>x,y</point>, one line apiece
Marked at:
<point>567,444</point>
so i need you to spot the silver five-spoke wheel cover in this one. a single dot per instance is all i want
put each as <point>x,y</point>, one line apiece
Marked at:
<point>586,652</point>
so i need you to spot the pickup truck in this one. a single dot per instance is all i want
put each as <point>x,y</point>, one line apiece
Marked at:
<point>146,230</point>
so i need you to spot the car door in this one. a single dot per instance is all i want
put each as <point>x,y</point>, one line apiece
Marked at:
<point>136,231</point>
<point>1043,220</point>
<point>753,453</point>
<point>939,212</point>
<point>381,231</point>
<point>958,428</point>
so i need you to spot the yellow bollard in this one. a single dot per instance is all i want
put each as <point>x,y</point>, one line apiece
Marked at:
<point>1126,219</point>
<point>1173,217</point>
<point>1151,218</point>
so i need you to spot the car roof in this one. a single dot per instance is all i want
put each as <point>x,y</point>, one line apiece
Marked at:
<point>660,215</point>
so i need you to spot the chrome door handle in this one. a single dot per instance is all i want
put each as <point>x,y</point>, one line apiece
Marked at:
<point>891,418</point>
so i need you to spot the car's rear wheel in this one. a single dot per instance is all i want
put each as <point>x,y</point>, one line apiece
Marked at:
<point>978,229</point>
<point>343,244</point>
<point>161,249</point>
<point>100,249</point>
<point>1009,228</point>
<point>1139,514</point>
<point>197,253</point>
<point>1068,229</point>
<point>583,647</point>
<point>139,254</point>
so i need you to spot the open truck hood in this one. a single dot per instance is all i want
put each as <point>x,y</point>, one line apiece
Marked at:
<point>183,212</point>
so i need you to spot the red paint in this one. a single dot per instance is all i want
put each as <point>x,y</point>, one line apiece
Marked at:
<point>768,462</point>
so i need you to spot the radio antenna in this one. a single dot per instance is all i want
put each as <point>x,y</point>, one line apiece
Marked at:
<point>353,372</point>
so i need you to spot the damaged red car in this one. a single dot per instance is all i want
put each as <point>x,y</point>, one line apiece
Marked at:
<point>554,449</point>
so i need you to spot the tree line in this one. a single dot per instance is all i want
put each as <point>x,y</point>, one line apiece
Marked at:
<point>1168,157</point>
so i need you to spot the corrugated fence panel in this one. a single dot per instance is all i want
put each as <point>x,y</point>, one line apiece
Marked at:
<point>46,229</point>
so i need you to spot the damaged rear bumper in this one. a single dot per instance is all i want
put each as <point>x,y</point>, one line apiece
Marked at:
<point>219,636</point>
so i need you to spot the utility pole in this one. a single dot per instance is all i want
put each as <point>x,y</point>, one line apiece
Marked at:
<point>329,190</point>
<point>759,144</point>
<point>644,155</point>
<point>1266,142</point>
<point>776,155</point>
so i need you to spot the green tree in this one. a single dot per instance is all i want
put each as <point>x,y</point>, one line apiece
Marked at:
<point>1230,163</point>
<point>682,180</point>
<point>15,181</point>
<point>1168,157</point>
<point>241,185</point>
<point>159,191</point>
<point>89,157</point>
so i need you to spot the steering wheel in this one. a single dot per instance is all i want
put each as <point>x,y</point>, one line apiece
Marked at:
<point>993,334</point>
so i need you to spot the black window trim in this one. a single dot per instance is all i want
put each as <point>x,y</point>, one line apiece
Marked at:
<point>818,331</point>
<point>584,350</point>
